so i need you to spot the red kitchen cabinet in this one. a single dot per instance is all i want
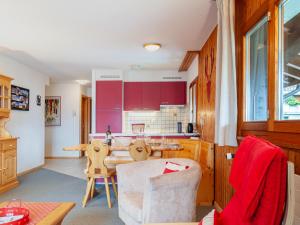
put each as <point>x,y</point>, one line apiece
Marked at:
<point>151,96</point>
<point>105,118</point>
<point>109,95</point>
<point>173,93</point>
<point>133,96</point>
<point>141,96</point>
<point>109,106</point>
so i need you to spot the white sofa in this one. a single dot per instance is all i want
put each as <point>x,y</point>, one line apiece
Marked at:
<point>148,196</point>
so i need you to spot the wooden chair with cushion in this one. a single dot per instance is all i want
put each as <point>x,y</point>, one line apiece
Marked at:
<point>139,151</point>
<point>96,168</point>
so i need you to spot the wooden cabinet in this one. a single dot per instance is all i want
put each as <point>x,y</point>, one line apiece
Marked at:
<point>8,164</point>
<point>203,153</point>
<point>109,106</point>
<point>150,95</point>
<point>5,95</point>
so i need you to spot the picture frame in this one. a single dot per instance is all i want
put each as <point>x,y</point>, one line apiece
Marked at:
<point>20,98</point>
<point>52,111</point>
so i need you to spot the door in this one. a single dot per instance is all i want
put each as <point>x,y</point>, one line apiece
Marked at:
<point>85,119</point>
<point>9,161</point>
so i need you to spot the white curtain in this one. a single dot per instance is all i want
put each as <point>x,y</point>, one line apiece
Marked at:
<point>226,94</point>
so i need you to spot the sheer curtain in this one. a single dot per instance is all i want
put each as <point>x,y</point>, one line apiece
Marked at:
<point>226,94</point>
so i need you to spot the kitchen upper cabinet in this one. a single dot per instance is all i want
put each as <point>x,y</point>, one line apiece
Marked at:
<point>133,96</point>
<point>109,95</point>
<point>173,93</point>
<point>151,96</point>
<point>105,118</point>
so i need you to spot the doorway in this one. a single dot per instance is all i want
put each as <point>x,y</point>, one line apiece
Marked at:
<point>86,103</point>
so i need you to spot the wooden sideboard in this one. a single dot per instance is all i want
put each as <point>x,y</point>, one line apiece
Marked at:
<point>202,152</point>
<point>8,164</point>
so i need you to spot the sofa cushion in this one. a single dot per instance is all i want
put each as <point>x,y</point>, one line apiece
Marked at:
<point>132,204</point>
<point>174,167</point>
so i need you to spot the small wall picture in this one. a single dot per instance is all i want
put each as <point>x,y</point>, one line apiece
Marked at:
<point>19,98</point>
<point>38,100</point>
<point>52,110</point>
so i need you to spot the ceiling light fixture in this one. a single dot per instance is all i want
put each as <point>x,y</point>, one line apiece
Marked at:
<point>152,47</point>
<point>83,82</point>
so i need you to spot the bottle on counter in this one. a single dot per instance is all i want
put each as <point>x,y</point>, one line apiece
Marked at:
<point>108,136</point>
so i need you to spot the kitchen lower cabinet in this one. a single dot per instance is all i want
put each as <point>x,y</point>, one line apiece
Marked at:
<point>8,164</point>
<point>112,118</point>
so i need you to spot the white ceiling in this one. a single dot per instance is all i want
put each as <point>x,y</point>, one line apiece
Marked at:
<point>68,38</point>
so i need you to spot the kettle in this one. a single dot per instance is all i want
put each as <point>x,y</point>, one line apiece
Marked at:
<point>190,128</point>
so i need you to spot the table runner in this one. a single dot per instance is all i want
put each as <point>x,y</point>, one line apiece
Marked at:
<point>37,210</point>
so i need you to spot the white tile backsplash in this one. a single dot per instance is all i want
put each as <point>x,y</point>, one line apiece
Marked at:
<point>163,121</point>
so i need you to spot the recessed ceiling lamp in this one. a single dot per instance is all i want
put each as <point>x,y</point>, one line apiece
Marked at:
<point>83,82</point>
<point>152,47</point>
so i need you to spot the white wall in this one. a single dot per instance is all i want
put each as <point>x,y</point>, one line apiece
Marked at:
<point>192,73</point>
<point>68,133</point>
<point>27,125</point>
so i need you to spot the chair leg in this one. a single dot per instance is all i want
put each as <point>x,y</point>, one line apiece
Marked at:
<point>107,192</point>
<point>93,189</point>
<point>88,191</point>
<point>114,186</point>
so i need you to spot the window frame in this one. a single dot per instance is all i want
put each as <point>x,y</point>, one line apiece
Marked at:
<point>247,96</point>
<point>273,124</point>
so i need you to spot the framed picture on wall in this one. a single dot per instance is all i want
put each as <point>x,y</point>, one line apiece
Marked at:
<point>52,111</point>
<point>19,98</point>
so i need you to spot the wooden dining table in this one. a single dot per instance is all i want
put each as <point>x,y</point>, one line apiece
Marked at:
<point>114,160</point>
<point>83,147</point>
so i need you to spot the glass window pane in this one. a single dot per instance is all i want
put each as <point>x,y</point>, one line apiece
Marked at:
<point>257,73</point>
<point>289,60</point>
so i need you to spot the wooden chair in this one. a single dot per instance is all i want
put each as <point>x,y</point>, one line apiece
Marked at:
<point>96,168</point>
<point>139,151</point>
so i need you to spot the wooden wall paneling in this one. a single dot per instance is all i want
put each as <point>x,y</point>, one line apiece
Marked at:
<point>206,88</point>
<point>223,190</point>
<point>206,161</point>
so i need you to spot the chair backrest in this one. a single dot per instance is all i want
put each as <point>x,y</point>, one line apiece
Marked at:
<point>96,154</point>
<point>139,150</point>
<point>292,211</point>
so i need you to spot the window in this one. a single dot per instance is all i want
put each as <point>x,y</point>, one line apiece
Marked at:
<point>256,72</point>
<point>289,60</point>
<point>192,101</point>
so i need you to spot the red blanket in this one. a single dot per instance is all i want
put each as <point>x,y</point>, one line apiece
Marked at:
<point>258,175</point>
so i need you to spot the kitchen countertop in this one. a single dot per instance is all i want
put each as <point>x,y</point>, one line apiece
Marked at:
<point>148,134</point>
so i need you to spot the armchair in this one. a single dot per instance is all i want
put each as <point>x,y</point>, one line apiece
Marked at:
<point>146,195</point>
